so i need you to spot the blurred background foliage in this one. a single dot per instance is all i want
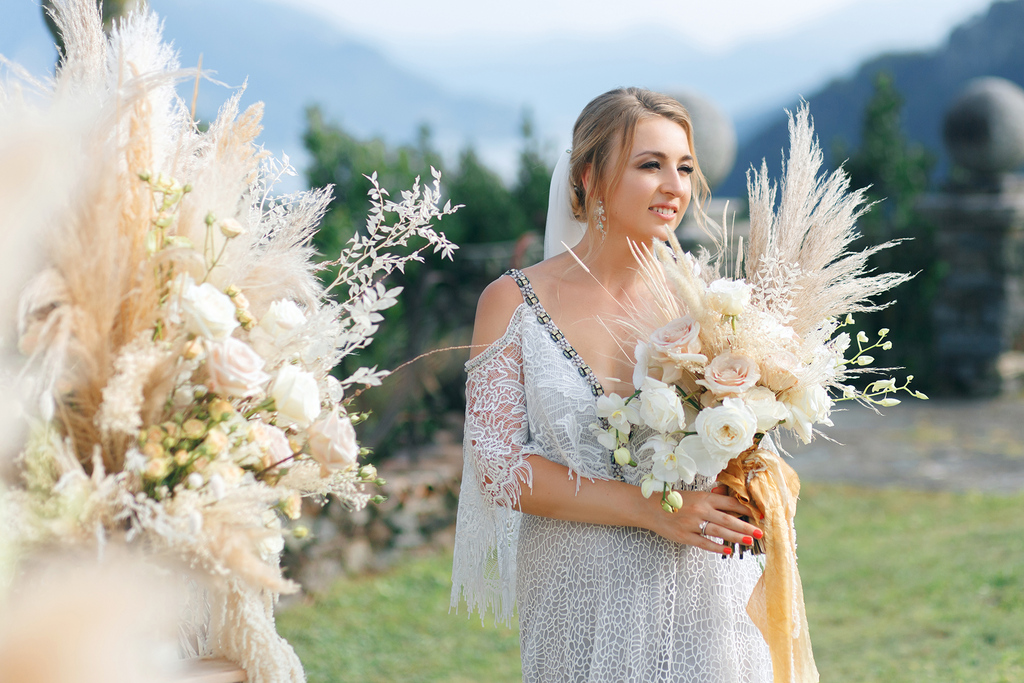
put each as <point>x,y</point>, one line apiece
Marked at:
<point>897,173</point>
<point>496,228</point>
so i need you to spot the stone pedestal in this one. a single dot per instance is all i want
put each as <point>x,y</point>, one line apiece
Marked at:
<point>979,308</point>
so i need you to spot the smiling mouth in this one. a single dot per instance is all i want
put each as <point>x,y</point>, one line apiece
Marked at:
<point>664,211</point>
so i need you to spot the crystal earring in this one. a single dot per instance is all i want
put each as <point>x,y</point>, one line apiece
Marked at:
<point>599,215</point>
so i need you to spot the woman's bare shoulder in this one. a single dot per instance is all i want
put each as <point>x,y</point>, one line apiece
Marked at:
<point>494,310</point>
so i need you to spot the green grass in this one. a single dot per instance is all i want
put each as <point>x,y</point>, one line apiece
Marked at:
<point>900,587</point>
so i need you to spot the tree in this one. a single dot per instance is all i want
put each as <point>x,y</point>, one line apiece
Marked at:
<point>898,174</point>
<point>437,307</point>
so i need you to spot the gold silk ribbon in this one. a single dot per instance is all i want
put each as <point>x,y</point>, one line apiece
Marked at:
<point>768,487</point>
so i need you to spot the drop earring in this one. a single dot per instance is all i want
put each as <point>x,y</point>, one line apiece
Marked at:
<point>599,215</point>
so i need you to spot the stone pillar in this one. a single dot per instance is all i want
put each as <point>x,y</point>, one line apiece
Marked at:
<point>979,217</point>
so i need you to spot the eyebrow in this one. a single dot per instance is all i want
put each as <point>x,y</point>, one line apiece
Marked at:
<point>661,155</point>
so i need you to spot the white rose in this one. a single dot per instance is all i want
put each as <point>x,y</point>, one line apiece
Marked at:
<point>283,317</point>
<point>208,311</point>
<point>766,407</point>
<point>660,406</point>
<point>728,430</point>
<point>728,297</point>
<point>332,442</point>
<point>296,396</point>
<point>675,345</point>
<point>808,407</point>
<point>730,373</point>
<point>234,368</point>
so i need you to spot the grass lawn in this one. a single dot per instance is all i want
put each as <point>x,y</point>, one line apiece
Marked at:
<point>900,586</point>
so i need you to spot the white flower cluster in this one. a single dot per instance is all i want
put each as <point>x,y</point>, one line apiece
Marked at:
<point>706,412</point>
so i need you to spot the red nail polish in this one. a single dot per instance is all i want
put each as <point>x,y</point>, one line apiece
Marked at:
<point>747,540</point>
<point>762,516</point>
<point>758,533</point>
<point>727,551</point>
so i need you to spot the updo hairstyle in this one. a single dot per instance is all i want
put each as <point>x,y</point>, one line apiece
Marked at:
<point>609,120</point>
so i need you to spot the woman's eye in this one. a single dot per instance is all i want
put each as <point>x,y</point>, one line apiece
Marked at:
<point>686,169</point>
<point>651,164</point>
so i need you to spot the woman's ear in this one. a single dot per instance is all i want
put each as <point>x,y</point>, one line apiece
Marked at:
<point>587,173</point>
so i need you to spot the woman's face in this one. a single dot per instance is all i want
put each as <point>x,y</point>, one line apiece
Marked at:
<point>654,190</point>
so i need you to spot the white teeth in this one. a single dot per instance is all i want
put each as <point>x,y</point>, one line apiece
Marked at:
<point>664,212</point>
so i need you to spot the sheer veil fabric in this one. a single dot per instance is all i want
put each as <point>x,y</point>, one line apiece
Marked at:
<point>561,229</point>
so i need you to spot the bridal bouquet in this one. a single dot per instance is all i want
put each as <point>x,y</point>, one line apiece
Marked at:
<point>722,362</point>
<point>178,343</point>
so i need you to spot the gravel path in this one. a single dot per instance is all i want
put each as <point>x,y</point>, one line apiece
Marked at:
<point>938,445</point>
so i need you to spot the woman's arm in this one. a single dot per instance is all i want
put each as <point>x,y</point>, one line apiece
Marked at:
<point>546,489</point>
<point>553,494</point>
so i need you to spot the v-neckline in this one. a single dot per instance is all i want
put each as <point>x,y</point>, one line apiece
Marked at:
<point>557,336</point>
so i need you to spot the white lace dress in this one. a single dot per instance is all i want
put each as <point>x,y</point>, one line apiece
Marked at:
<point>596,603</point>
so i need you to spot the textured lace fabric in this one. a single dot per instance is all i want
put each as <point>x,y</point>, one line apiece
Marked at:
<point>596,603</point>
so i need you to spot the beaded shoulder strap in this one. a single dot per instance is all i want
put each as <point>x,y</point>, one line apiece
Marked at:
<point>556,335</point>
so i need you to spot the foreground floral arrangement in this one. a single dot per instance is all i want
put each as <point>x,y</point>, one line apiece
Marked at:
<point>723,362</point>
<point>179,344</point>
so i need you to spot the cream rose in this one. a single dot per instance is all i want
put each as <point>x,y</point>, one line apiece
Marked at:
<point>781,370</point>
<point>332,442</point>
<point>234,368</point>
<point>208,311</point>
<point>728,297</point>
<point>296,396</point>
<point>730,374</point>
<point>283,317</point>
<point>766,407</point>
<point>808,407</point>
<point>660,406</point>
<point>725,432</point>
<point>674,345</point>
<point>271,440</point>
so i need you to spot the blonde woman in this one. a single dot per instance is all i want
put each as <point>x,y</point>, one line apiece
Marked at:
<point>608,586</point>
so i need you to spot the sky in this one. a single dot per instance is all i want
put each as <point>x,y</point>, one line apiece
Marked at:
<point>712,25</point>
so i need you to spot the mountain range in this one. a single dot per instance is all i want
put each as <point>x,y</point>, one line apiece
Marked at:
<point>475,93</point>
<point>990,44</point>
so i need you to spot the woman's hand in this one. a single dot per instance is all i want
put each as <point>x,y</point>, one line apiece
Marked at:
<point>721,512</point>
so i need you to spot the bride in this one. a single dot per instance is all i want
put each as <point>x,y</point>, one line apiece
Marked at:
<point>608,586</point>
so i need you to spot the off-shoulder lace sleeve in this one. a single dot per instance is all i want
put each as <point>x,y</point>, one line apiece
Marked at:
<point>495,447</point>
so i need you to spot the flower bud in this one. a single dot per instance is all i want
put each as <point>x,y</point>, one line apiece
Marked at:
<point>849,319</point>
<point>667,507</point>
<point>920,395</point>
<point>622,456</point>
<point>245,318</point>
<point>163,220</point>
<point>367,472</point>
<point>240,301</point>
<point>210,218</point>
<point>300,532</point>
<point>862,337</point>
<point>181,457</point>
<point>889,402</point>
<point>193,428</point>
<point>865,360</point>
<point>377,500</point>
<point>233,290</point>
<point>886,346</point>
<point>221,409</point>
<point>882,332</point>
<point>194,480</point>
<point>153,450</point>
<point>675,499</point>
<point>229,227</point>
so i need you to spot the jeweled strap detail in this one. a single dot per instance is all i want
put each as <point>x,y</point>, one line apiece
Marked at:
<point>556,335</point>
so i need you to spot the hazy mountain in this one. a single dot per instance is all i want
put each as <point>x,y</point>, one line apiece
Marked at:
<point>291,60</point>
<point>991,44</point>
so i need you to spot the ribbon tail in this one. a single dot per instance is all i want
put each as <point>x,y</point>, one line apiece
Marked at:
<point>776,605</point>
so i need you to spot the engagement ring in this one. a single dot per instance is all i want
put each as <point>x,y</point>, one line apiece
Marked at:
<point>703,526</point>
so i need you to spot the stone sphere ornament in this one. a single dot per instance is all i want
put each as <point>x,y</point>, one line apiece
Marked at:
<point>714,135</point>
<point>984,128</point>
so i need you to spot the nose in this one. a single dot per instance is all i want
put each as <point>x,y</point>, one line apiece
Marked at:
<point>675,184</point>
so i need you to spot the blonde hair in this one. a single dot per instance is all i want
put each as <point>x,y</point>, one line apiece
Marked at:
<point>611,119</point>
